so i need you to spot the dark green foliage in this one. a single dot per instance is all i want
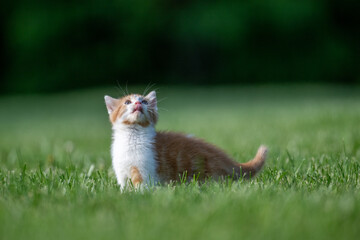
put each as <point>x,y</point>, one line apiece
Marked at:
<point>48,46</point>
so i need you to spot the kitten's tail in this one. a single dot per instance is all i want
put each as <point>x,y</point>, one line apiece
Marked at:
<point>249,169</point>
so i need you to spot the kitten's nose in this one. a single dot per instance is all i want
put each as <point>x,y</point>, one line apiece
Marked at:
<point>138,106</point>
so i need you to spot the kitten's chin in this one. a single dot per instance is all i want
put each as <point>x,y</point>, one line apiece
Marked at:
<point>137,113</point>
<point>136,118</point>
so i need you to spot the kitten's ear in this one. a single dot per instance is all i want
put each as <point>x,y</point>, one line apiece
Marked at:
<point>111,103</point>
<point>152,98</point>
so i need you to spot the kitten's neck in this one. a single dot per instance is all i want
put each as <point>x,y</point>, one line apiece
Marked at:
<point>133,135</point>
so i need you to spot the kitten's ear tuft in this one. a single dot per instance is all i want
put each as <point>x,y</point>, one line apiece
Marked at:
<point>152,98</point>
<point>111,103</point>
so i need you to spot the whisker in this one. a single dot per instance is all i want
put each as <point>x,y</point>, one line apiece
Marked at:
<point>148,87</point>
<point>120,88</point>
<point>162,99</point>
<point>163,109</point>
<point>156,90</point>
<point>126,88</point>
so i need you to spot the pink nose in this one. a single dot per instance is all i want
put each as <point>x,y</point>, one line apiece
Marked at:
<point>138,106</point>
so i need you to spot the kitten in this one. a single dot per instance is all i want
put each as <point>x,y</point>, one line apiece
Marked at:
<point>142,155</point>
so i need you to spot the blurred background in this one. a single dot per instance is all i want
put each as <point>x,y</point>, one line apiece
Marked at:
<point>48,46</point>
<point>238,74</point>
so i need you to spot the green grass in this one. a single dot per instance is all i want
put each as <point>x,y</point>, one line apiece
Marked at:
<point>309,187</point>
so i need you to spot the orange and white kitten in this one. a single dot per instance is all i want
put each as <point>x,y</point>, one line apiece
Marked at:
<point>142,155</point>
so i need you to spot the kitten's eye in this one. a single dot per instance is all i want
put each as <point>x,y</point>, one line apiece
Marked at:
<point>144,102</point>
<point>127,102</point>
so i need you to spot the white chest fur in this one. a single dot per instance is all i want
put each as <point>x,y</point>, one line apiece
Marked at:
<point>133,146</point>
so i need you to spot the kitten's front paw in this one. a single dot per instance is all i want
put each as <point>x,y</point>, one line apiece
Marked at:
<point>136,177</point>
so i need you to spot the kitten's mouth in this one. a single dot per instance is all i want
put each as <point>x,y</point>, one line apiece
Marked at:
<point>137,111</point>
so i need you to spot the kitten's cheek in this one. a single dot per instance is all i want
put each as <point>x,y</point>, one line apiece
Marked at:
<point>124,116</point>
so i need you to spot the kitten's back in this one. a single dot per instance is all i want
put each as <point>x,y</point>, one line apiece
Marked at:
<point>177,153</point>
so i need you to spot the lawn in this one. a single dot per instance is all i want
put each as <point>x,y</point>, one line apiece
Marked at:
<point>56,180</point>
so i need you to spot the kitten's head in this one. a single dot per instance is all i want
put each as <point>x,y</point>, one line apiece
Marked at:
<point>133,109</point>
